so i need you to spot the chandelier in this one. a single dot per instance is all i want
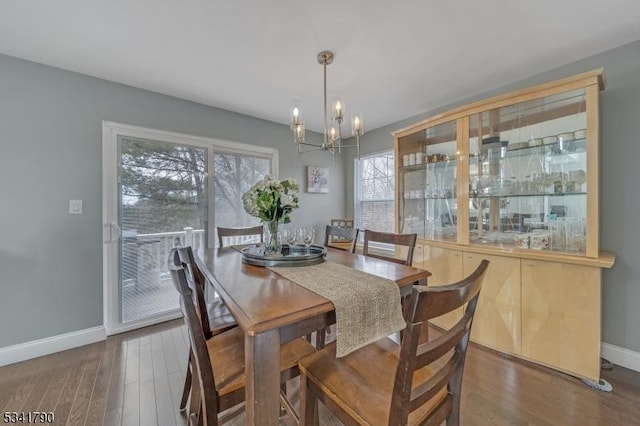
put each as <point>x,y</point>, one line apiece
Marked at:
<point>332,137</point>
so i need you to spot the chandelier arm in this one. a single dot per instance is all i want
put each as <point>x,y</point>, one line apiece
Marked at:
<point>301,151</point>
<point>317,145</point>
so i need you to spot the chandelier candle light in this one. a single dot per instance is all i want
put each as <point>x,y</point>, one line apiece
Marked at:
<point>332,136</point>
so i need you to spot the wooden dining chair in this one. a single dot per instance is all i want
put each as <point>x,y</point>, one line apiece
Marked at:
<point>386,384</point>
<point>219,363</point>
<point>406,240</point>
<point>218,316</point>
<point>214,316</point>
<point>335,234</point>
<point>239,232</point>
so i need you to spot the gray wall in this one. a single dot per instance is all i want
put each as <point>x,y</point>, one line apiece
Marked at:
<point>620,177</point>
<point>50,152</point>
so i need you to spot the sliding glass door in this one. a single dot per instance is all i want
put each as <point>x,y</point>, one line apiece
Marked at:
<point>163,190</point>
<point>163,204</point>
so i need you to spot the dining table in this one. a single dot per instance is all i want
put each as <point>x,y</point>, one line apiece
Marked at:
<point>272,310</point>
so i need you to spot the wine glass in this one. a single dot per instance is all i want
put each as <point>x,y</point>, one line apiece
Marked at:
<point>307,234</point>
<point>290,236</point>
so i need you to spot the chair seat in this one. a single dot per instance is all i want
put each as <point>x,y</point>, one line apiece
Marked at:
<point>227,353</point>
<point>220,319</point>
<point>363,381</point>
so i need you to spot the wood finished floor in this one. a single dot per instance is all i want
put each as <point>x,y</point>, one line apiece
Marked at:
<point>136,378</point>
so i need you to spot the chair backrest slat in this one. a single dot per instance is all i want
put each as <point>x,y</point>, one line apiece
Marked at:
<point>348,234</point>
<point>407,240</point>
<point>427,390</point>
<point>173,262</point>
<point>441,412</point>
<point>436,348</point>
<point>239,232</point>
<point>184,258</point>
<point>187,257</point>
<point>426,303</point>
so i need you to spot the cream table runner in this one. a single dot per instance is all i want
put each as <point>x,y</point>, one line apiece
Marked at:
<point>367,307</point>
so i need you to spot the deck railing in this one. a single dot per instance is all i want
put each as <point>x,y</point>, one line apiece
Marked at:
<point>158,245</point>
<point>161,243</point>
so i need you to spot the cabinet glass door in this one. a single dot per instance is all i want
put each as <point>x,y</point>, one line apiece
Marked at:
<point>429,182</point>
<point>527,175</point>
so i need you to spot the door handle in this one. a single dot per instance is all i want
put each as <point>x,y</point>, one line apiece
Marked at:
<point>112,233</point>
<point>117,232</point>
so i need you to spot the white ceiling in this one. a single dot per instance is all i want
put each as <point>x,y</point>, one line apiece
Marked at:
<point>393,59</point>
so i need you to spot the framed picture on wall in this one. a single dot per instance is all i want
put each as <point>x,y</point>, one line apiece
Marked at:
<point>317,179</point>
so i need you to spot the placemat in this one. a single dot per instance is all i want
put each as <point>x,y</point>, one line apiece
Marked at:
<point>367,307</point>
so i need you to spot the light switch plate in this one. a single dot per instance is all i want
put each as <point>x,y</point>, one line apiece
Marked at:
<point>75,206</point>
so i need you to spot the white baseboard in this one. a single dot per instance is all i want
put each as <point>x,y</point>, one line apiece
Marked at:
<point>36,348</point>
<point>49,345</point>
<point>621,356</point>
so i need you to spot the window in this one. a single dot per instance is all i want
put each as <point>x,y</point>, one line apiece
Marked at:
<point>374,192</point>
<point>234,174</point>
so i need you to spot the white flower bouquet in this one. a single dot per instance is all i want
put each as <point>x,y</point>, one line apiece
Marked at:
<point>272,200</point>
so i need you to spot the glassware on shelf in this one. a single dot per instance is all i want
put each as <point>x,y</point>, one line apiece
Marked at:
<point>565,142</point>
<point>521,160</point>
<point>575,231</point>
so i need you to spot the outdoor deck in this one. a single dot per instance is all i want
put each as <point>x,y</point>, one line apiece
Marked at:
<point>147,289</point>
<point>147,300</point>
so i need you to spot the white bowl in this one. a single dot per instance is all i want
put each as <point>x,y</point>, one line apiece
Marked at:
<point>565,137</point>
<point>580,134</point>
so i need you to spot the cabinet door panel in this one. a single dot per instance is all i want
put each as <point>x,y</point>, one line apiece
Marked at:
<point>446,268</point>
<point>528,174</point>
<point>497,320</point>
<point>426,164</point>
<point>561,316</point>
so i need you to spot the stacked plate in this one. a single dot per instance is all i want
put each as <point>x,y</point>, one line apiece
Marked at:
<point>518,145</point>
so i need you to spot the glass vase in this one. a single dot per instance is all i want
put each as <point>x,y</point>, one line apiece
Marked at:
<point>272,243</point>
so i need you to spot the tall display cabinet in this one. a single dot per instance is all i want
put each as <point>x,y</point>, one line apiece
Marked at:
<point>514,179</point>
